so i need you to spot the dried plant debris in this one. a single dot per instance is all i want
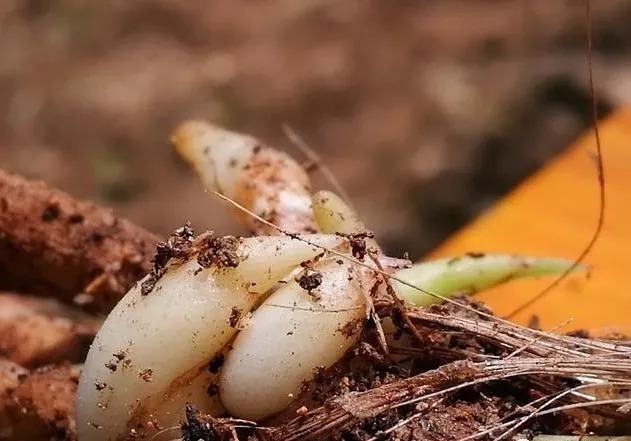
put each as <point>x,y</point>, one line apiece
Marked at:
<point>440,395</point>
<point>454,401</point>
<point>358,244</point>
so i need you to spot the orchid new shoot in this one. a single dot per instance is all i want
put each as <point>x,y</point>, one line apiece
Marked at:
<point>242,324</point>
<point>471,273</point>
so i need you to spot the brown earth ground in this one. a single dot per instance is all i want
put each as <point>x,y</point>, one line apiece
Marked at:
<point>441,106</point>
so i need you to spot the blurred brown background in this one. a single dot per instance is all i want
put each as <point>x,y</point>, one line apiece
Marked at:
<point>426,111</point>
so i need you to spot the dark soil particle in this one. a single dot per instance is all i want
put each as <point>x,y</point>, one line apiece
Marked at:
<point>212,390</point>
<point>534,322</point>
<point>220,252</point>
<point>580,333</point>
<point>365,349</point>
<point>120,355</point>
<point>216,363</point>
<point>146,374</point>
<point>198,427</point>
<point>177,246</point>
<point>111,366</point>
<point>235,316</point>
<point>309,280</point>
<point>75,218</point>
<point>50,213</point>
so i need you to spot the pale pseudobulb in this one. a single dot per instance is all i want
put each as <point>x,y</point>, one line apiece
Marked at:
<point>180,325</point>
<point>293,333</point>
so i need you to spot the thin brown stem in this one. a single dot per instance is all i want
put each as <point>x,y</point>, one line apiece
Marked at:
<point>600,168</point>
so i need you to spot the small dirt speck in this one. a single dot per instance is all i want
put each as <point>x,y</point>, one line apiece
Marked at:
<point>475,255</point>
<point>75,219</point>
<point>111,366</point>
<point>216,363</point>
<point>368,351</point>
<point>50,213</point>
<point>309,280</point>
<point>100,385</point>
<point>177,246</point>
<point>453,261</point>
<point>146,374</point>
<point>534,322</point>
<point>96,237</point>
<point>212,390</point>
<point>120,355</point>
<point>580,333</point>
<point>235,316</point>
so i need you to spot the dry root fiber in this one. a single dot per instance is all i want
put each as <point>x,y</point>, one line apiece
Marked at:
<point>52,244</point>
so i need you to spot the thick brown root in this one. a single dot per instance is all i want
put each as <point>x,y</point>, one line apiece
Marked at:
<point>36,331</point>
<point>38,405</point>
<point>53,244</point>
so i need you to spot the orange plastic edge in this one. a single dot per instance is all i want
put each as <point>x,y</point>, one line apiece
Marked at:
<point>554,213</point>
